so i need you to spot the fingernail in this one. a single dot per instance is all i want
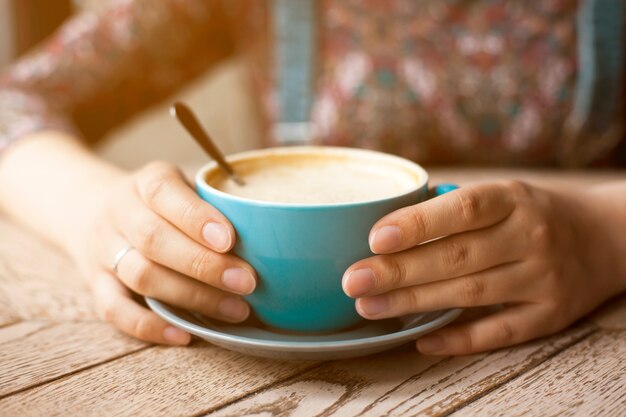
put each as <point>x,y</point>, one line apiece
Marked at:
<point>176,336</point>
<point>431,344</point>
<point>233,308</point>
<point>217,236</point>
<point>373,306</point>
<point>238,280</point>
<point>359,282</point>
<point>386,239</point>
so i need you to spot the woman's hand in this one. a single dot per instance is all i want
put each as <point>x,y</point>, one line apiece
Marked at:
<point>179,255</point>
<point>548,257</point>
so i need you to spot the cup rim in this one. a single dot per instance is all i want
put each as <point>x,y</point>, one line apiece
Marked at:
<point>326,150</point>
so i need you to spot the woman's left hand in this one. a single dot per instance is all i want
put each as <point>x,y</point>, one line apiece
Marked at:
<point>547,257</point>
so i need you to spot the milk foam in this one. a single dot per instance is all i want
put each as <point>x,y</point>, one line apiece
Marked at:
<point>302,179</point>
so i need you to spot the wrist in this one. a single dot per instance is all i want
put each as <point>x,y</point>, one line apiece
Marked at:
<point>607,203</point>
<point>613,197</point>
<point>53,185</point>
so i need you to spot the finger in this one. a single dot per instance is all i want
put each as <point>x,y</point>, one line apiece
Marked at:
<point>148,278</point>
<point>117,307</point>
<point>503,284</point>
<point>163,188</point>
<point>469,208</point>
<point>450,257</point>
<point>164,244</point>
<point>511,326</point>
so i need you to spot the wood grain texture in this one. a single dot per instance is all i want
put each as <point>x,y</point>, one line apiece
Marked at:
<point>588,379</point>
<point>160,381</point>
<point>33,353</point>
<point>7,316</point>
<point>37,281</point>
<point>401,382</point>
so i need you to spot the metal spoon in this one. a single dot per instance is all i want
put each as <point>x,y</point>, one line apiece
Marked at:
<point>190,122</point>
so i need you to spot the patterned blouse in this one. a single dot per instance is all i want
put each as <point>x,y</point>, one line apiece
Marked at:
<point>437,81</point>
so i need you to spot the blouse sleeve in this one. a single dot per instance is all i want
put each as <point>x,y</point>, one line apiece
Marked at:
<point>102,67</point>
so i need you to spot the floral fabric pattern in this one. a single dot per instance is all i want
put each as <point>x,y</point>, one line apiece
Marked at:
<point>448,81</point>
<point>437,81</point>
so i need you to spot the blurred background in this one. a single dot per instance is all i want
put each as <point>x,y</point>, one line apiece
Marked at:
<point>24,23</point>
<point>222,103</point>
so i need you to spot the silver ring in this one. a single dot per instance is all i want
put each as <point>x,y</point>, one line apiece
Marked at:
<point>119,255</point>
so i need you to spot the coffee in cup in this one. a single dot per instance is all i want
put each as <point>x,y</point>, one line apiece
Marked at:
<point>316,179</point>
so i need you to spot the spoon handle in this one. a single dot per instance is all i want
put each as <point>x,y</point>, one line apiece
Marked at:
<point>189,120</point>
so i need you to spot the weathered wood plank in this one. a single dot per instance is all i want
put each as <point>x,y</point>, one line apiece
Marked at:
<point>589,379</point>
<point>7,316</point>
<point>612,315</point>
<point>33,353</point>
<point>18,331</point>
<point>160,381</point>
<point>401,382</point>
<point>37,281</point>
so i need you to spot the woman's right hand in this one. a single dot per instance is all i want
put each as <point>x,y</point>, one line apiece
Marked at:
<point>179,255</point>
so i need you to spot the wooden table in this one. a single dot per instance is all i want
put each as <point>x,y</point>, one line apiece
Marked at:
<point>58,358</point>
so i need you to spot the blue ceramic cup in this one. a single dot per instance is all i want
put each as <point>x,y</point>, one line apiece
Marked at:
<point>301,251</point>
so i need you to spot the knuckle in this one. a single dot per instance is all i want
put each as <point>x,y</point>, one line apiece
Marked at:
<point>393,270</point>
<point>421,227</point>
<point>109,312</point>
<point>554,281</point>
<point>504,332</point>
<point>198,300</point>
<point>200,264</point>
<point>189,215</point>
<point>472,291</point>
<point>541,235</point>
<point>410,301</point>
<point>470,206</point>
<point>152,188</point>
<point>139,279</point>
<point>154,180</point>
<point>150,233</point>
<point>518,189</point>
<point>466,343</point>
<point>456,255</point>
<point>142,327</point>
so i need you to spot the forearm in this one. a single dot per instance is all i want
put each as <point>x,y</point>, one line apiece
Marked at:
<point>610,202</point>
<point>101,68</point>
<point>54,185</point>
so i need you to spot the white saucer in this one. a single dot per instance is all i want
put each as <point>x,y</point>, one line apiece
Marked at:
<point>253,338</point>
